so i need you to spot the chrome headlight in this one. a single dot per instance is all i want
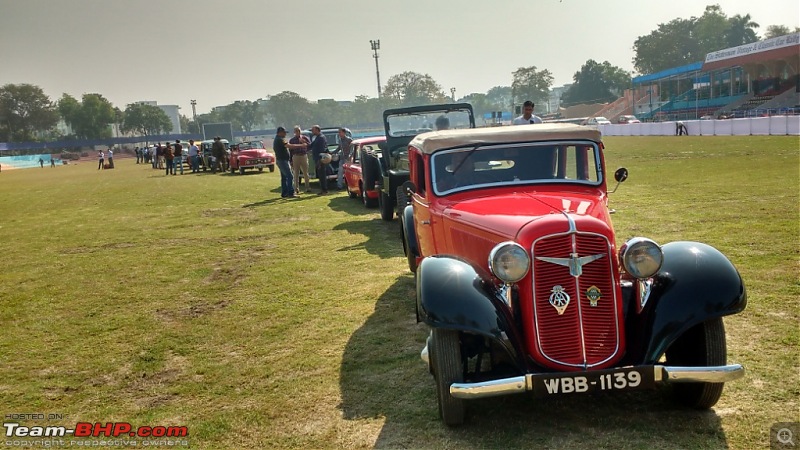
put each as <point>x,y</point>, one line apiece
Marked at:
<point>509,262</point>
<point>641,257</point>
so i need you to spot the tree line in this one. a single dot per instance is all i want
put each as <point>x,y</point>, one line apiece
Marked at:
<point>27,113</point>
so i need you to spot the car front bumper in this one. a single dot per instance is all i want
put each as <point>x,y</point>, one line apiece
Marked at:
<point>615,379</point>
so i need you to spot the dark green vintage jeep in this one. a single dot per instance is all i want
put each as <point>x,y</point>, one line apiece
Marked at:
<point>387,169</point>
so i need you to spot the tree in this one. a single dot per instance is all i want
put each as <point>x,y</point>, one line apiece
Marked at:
<point>146,120</point>
<point>289,108</point>
<point>684,41</point>
<point>243,114</point>
<point>25,109</point>
<point>741,31</point>
<point>500,96</point>
<point>596,83</point>
<point>90,118</point>
<point>774,31</point>
<point>412,88</point>
<point>480,103</point>
<point>530,84</point>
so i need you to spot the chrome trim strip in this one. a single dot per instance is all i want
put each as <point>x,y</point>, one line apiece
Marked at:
<point>708,374</point>
<point>494,388</point>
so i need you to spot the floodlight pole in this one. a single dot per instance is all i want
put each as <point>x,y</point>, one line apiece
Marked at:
<point>194,112</point>
<point>376,45</point>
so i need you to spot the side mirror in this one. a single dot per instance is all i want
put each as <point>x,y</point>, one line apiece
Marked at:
<point>620,175</point>
<point>409,188</point>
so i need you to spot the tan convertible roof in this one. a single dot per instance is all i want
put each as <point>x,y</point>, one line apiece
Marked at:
<point>435,140</point>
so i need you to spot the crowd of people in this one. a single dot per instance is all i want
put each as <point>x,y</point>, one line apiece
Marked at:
<point>170,157</point>
<point>291,157</point>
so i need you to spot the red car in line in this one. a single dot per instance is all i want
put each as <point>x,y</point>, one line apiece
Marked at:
<point>251,155</point>
<point>352,170</point>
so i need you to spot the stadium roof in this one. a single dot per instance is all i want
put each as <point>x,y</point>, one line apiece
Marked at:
<point>769,49</point>
<point>689,68</point>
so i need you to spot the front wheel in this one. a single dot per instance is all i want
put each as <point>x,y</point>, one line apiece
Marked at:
<point>260,169</point>
<point>702,345</point>
<point>272,167</point>
<point>447,369</point>
<point>241,170</point>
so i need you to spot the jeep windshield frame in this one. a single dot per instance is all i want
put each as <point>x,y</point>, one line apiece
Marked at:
<point>485,166</point>
<point>401,125</point>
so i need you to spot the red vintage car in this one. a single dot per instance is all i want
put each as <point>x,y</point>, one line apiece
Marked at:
<point>251,155</point>
<point>525,288</point>
<point>353,174</point>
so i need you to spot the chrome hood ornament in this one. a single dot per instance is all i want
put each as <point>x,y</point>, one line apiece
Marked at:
<point>574,262</point>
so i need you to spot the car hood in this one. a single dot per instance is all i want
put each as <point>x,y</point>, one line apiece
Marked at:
<point>507,214</point>
<point>254,153</point>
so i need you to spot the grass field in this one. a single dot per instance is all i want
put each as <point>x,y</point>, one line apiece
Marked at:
<point>209,302</point>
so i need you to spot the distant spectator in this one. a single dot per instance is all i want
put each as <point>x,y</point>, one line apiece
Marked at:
<point>442,123</point>
<point>680,129</point>
<point>344,155</point>
<point>527,114</point>
<point>100,160</point>
<point>169,157</point>
<point>52,161</point>
<point>110,158</point>
<point>194,156</point>
<point>299,158</point>
<point>178,157</point>
<point>41,162</point>
<point>218,150</point>
<point>319,145</point>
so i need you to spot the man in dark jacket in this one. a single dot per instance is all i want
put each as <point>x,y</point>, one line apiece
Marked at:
<point>281,147</point>
<point>319,145</point>
<point>218,150</point>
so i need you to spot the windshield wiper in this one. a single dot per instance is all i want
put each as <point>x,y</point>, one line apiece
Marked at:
<point>469,153</point>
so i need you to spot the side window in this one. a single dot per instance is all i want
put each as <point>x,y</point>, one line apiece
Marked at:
<point>354,153</point>
<point>418,175</point>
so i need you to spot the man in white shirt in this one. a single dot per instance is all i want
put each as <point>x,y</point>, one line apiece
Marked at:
<point>527,115</point>
<point>194,159</point>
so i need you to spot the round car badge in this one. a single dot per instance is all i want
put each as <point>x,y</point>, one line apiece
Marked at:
<point>593,294</point>
<point>559,299</point>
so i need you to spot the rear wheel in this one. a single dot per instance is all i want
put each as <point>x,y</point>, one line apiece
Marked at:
<point>447,369</point>
<point>702,345</point>
<point>350,193</point>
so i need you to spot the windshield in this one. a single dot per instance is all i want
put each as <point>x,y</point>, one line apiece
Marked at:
<point>413,124</point>
<point>515,164</point>
<point>251,145</point>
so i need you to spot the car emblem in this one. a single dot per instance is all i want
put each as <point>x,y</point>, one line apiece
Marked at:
<point>574,262</point>
<point>559,299</point>
<point>593,294</point>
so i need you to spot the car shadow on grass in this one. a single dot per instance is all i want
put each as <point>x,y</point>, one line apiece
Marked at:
<point>353,206</point>
<point>383,238</point>
<point>383,377</point>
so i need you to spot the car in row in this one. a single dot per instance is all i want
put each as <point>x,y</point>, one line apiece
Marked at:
<point>526,287</point>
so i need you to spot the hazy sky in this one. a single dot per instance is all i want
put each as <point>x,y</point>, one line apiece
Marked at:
<point>219,51</point>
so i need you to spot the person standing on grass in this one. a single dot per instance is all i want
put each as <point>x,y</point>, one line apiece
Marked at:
<point>178,160</point>
<point>299,158</point>
<point>169,158</point>
<point>319,145</point>
<point>218,150</point>
<point>41,162</point>
<point>110,158</point>
<point>527,114</point>
<point>100,160</point>
<point>193,156</point>
<point>52,161</point>
<point>281,148</point>
<point>344,155</point>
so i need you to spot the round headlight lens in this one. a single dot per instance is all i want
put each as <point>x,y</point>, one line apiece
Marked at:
<point>641,257</point>
<point>509,262</point>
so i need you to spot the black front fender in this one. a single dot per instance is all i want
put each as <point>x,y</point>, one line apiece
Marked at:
<point>451,295</point>
<point>696,283</point>
<point>409,233</point>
